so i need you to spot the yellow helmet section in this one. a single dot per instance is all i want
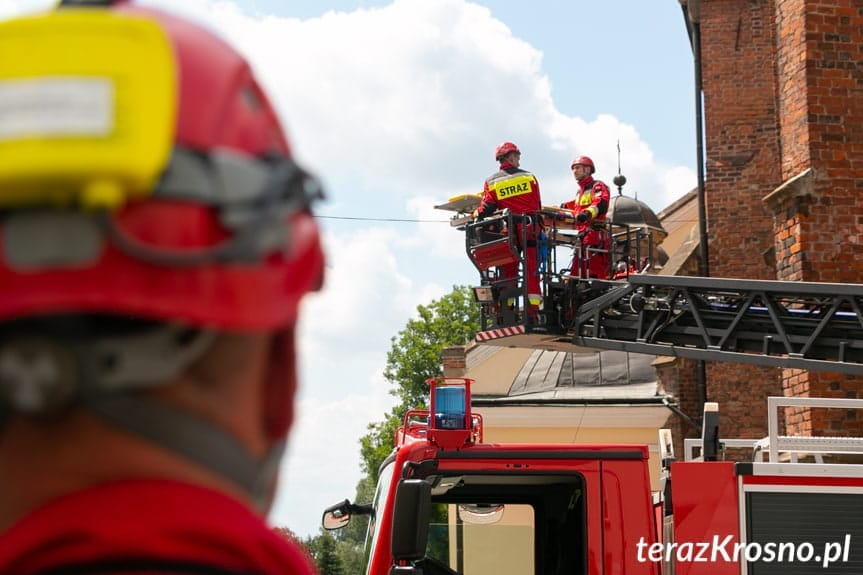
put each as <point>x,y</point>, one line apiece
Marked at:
<point>88,102</point>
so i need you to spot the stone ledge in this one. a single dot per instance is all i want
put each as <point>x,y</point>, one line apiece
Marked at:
<point>803,184</point>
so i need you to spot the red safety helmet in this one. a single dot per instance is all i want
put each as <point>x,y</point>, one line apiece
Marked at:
<point>146,178</point>
<point>504,149</point>
<point>583,161</point>
<point>223,239</point>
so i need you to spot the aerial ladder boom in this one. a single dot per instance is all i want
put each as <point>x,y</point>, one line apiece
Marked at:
<point>804,325</point>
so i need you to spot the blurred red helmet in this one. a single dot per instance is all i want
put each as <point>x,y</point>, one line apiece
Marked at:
<point>167,192</point>
<point>504,149</point>
<point>583,161</point>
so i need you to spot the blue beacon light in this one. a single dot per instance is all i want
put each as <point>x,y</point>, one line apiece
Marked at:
<point>450,406</point>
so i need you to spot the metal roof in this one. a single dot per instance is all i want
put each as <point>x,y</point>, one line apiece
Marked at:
<point>607,375</point>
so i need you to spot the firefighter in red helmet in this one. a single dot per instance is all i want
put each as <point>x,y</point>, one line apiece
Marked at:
<point>589,208</point>
<point>155,244</point>
<point>517,190</point>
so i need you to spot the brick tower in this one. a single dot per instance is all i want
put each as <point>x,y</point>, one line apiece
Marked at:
<point>783,121</point>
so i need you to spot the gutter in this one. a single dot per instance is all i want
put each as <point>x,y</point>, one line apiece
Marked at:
<point>692,17</point>
<point>516,402</point>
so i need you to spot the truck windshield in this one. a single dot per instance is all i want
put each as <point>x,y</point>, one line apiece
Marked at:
<point>483,539</point>
<point>511,524</point>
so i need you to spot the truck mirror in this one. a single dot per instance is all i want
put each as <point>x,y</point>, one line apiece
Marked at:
<point>338,515</point>
<point>480,513</point>
<point>411,515</point>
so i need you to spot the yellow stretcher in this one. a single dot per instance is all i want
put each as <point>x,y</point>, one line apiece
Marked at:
<point>464,204</point>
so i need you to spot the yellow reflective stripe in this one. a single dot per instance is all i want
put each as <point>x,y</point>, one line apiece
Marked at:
<point>511,187</point>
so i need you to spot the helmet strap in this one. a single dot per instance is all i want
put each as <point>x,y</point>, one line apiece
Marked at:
<point>42,373</point>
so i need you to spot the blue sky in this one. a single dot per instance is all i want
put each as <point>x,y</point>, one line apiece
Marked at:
<point>398,105</point>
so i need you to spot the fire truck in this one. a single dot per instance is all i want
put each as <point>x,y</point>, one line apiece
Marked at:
<point>448,503</point>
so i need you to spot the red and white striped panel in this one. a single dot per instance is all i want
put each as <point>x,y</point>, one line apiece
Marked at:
<point>502,332</point>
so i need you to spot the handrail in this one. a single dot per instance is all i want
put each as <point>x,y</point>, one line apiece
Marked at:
<point>776,444</point>
<point>773,405</point>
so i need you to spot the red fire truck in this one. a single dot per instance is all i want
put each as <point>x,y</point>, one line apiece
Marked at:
<point>448,503</point>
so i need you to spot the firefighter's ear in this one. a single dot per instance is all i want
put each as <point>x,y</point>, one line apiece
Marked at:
<point>280,385</point>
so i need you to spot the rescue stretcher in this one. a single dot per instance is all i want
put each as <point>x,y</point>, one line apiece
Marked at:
<point>464,204</point>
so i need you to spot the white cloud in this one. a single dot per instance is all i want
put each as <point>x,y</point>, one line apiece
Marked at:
<point>678,180</point>
<point>323,460</point>
<point>363,281</point>
<point>410,99</point>
<point>434,235</point>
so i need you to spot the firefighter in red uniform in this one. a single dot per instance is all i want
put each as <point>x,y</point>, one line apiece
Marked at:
<point>155,244</point>
<point>518,191</point>
<point>589,209</point>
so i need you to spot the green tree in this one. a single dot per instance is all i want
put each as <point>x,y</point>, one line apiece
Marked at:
<point>378,442</point>
<point>415,356</point>
<point>355,531</point>
<point>323,549</point>
<point>351,556</point>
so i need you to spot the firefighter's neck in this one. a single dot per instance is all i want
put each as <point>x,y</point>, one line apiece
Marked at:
<point>511,161</point>
<point>41,460</point>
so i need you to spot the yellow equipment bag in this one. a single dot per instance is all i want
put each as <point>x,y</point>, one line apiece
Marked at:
<point>88,102</point>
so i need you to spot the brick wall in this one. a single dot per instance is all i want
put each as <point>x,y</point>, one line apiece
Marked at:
<point>819,215</point>
<point>783,91</point>
<point>738,39</point>
<point>820,226</point>
<point>742,392</point>
<point>453,360</point>
<point>791,96</point>
<point>741,134</point>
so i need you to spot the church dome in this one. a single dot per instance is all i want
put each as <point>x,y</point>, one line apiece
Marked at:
<point>626,211</point>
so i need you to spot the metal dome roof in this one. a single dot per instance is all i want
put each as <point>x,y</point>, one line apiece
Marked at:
<point>624,210</point>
